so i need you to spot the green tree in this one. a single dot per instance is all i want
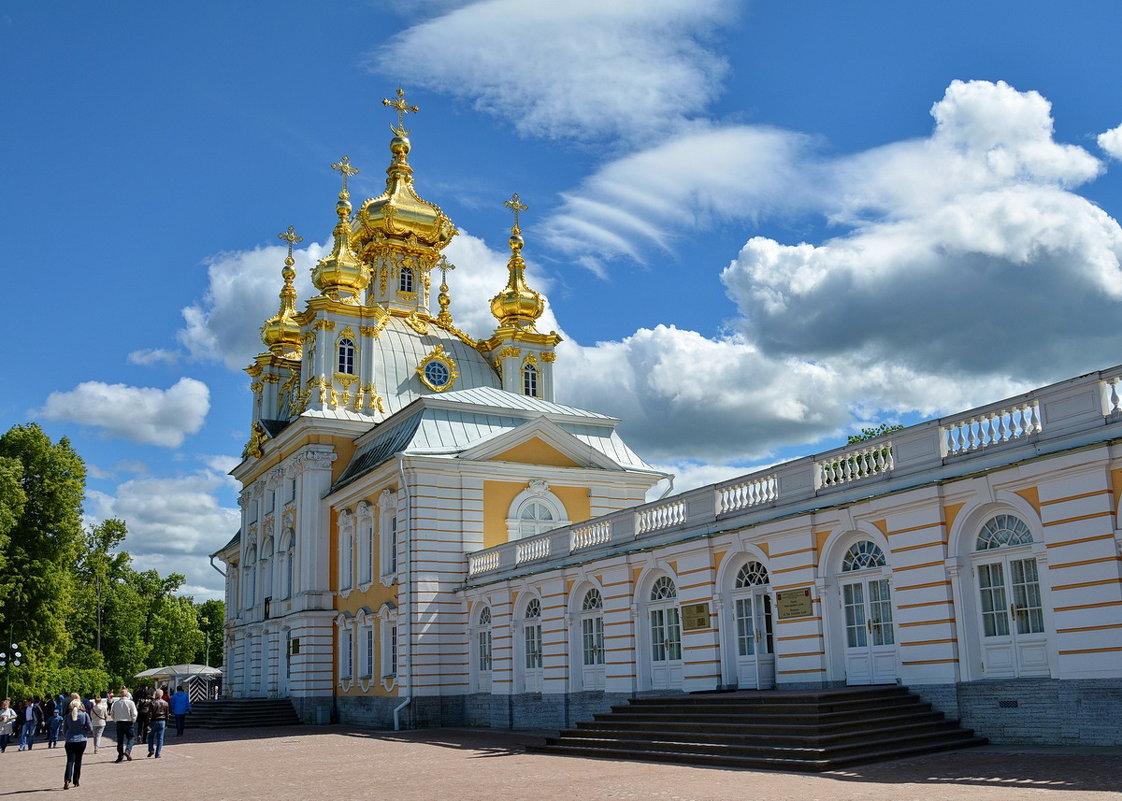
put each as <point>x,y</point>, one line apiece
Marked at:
<point>175,632</point>
<point>42,546</point>
<point>872,432</point>
<point>212,622</point>
<point>12,501</point>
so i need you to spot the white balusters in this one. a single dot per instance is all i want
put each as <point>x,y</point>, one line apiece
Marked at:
<point>482,562</point>
<point>991,428</point>
<point>592,534</point>
<point>747,493</point>
<point>672,513</point>
<point>854,464</point>
<point>531,550</point>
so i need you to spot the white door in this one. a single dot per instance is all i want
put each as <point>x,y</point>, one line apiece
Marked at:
<point>666,646</point>
<point>755,655</point>
<point>532,653</point>
<point>592,651</point>
<point>1013,639</point>
<point>870,641</point>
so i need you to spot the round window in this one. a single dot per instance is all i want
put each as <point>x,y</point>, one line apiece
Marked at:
<point>437,373</point>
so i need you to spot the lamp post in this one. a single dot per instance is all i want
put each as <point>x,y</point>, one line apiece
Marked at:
<point>8,660</point>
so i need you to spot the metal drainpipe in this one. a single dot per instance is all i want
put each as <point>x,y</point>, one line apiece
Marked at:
<point>409,590</point>
<point>216,567</point>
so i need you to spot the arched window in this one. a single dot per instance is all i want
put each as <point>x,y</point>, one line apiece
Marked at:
<point>267,568</point>
<point>249,584</point>
<point>346,551</point>
<point>752,574</point>
<point>405,280</point>
<point>530,379</point>
<point>346,357</point>
<point>862,555</point>
<point>535,517</point>
<point>663,589</point>
<point>1003,530</point>
<point>288,566</point>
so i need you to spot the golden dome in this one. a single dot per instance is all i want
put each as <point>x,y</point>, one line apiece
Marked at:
<point>281,333</point>
<point>399,213</point>
<point>517,305</point>
<point>341,274</point>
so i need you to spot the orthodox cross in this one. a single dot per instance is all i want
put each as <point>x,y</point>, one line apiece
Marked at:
<point>402,108</point>
<point>343,165</point>
<point>291,238</point>
<point>515,205</point>
<point>444,266</point>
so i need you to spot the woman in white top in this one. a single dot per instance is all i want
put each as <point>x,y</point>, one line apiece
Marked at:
<point>99,713</point>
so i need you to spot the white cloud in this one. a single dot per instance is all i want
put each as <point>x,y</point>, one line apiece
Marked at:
<point>1111,142</point>
<point>583,68</point>
<point>243,291</point>
<point>174,524</point>
<point>142,414</point>
<point>149,356</point>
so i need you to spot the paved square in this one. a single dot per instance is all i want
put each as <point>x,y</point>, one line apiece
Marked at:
<point>338,763</point>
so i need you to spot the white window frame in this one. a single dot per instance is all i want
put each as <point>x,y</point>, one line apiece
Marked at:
<point>389,533</point>
<point>287,556</point>
<point>345,662</point>
<point>364,534</point>
<point>345,354</point>
<point>249,583</point>
<point>346,543</point>
<point>537,491</point>
<point>389,653</point>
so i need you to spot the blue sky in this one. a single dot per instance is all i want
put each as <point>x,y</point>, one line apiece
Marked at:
<point>760,225</point>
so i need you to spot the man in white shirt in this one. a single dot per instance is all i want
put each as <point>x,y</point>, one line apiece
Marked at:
<point>123,713</point>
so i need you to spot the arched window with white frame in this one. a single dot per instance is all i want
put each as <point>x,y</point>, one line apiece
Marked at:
<point>530,379</point>
<point>482,640</point>
<point>387,535</point>
<point>365,549</point>
<point>288,563</point>
<point>346,551</point>
<point>405,282</point>
<point>388,636</point>
<point>664,631</point>
<point>532,645</point>
<point>534,511</point>
<point>591,643</point>
<point>346,353</point>
<point>266,568</point>
<point>249,584</point>
<point>864,580</point>
<point>752,660</point>
<point>346,662</point>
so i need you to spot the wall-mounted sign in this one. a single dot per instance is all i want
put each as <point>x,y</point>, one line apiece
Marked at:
<point>695,616</point>
<point>794,603</point>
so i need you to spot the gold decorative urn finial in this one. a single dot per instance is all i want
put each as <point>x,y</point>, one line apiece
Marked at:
<point>399,214</point>
<point>517,305</point>
<point>281,333</point>
<point>341,276</point>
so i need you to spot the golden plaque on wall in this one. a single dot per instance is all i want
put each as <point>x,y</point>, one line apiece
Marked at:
<point>794,603</point>
<point>695,616</point>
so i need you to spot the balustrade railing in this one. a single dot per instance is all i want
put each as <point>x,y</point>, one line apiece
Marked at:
<point>483,562</point>
<point>587,536</point>
<point>854,464</point>
<point>665,515</point>
<point>531,550</point>
<point>991,428</point>
<point>746,494</point>
<point>1112,403</point>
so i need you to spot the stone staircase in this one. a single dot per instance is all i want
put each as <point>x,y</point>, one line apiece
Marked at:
<point>807,731</point>
<point>242,713</point>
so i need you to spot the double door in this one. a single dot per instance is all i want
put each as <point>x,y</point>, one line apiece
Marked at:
<point>870,640</point>
<point>665,647</point>
<point>1014,642</point>
<point>755,654</point>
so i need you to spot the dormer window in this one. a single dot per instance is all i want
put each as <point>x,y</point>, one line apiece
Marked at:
<point>346,357</point>
<point>405,280</point>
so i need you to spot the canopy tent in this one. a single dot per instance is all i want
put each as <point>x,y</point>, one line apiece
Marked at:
<point>176,672</point>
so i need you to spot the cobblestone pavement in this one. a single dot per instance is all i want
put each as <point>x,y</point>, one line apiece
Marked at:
<point>339,763</point>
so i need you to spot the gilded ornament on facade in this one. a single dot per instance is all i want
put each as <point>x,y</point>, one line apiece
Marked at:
<point>509,352</point>
<point>257,436</point>
<point>417,322</point>
<point>438,370</point>
<point>549,356</point>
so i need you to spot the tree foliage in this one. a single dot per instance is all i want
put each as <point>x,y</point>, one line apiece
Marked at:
<point>84,617</point>
<point>872,432</point>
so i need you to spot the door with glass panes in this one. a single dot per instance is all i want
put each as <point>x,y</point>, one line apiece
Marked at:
<point>866,600</point>
<point>665,635</point>
<point>532,647</point>
<point>1013,636</point>
<point>591,645</point>
<point>751,608</point>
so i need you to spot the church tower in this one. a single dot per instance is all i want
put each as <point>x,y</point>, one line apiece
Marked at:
<point>523,355</point>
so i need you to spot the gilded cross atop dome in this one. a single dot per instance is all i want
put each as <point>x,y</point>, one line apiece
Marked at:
<point>281,333</point>
<point>402,109</point>
<point>515,205</point>
<point>291,237</point>
<point>444,266</point>
<point>343,166</point>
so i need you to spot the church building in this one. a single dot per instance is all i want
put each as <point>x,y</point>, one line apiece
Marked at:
<point>429,539</point>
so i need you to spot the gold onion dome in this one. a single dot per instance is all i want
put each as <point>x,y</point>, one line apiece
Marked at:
<point>341,272</point>
<point>281,333</point>
<point>399,212</point>
<point>517,305</point>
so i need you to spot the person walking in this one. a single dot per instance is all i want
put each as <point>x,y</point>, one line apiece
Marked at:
<point>142,699</point>
<point>54,725</point>
<point>99,717</point>
<point>123,713</point>
<point>180,705</point>
<point>32,720</point>
<point>76,727</point>
<point>158,712</point>
<point>7,718</point>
